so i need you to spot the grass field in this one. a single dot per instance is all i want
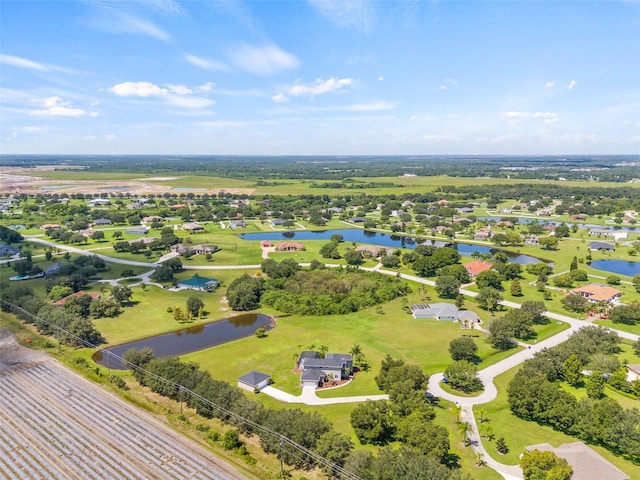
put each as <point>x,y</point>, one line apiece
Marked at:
<point>520,433</point>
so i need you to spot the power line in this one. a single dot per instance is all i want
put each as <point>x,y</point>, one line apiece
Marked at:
<point>253,426</point>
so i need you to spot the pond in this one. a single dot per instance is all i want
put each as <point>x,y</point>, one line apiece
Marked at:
<point>543,221</point>
<point>384,239</point>
<point>190,339</point>
<point>621,267</point>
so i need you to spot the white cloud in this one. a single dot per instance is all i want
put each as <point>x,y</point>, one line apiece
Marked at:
<point>346,13</point>
<point>279,98</point>
<point>205,64</point>
<point>206,87</point>
<point>118,17</point>
<point>188,102</point>
<point>176,95</point>
<point>380,79</point>
<point>370,107</point>
<point>572,84</point>
<point>56,107</point>
<point>549,84</point>
<point>263,60</point>
<point>23,63</point>
<point>318,87</point>
<point>89,138</point>
<point>180,90</point>
<point>137,89</point>
<point>515,117</point>
<point>110,137</point>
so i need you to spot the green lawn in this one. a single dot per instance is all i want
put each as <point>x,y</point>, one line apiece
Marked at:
<point>519,433</point>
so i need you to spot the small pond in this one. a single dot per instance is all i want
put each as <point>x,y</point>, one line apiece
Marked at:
<point>190,339</point>
<point>54,187</point>
<point>621,267</point>
<point>384,239</point>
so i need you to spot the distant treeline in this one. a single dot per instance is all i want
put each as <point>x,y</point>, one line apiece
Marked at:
<point>612,168</point>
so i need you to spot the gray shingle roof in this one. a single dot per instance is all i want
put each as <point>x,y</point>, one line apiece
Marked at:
<point>254,378</point>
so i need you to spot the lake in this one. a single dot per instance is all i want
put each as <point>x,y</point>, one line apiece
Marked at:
<point>383,239</point>
<point>621,267</point>
<point>190,339</point>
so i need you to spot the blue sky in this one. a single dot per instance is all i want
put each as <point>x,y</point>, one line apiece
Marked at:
<point>320,77</point>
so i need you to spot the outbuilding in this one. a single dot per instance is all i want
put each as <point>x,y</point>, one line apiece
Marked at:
<point>254,380</point>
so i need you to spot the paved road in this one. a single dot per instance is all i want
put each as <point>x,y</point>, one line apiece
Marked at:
<point>487,375</point>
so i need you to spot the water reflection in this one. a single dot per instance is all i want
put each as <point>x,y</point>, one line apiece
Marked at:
<point>189,339</point>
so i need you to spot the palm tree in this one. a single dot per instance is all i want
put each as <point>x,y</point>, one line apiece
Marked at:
<point>464,428</point>
<point>323,350</point>
<point>356,353</point>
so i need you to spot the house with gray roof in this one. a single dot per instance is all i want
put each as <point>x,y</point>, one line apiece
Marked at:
<point>254,380</point>
<point>585,462</point>
<point>7,250</point>
<point>444,312</point>
<point>316,370</point>
<point>602,246</point>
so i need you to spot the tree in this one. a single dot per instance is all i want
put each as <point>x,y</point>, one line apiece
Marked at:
<point>463,348</point>
<point>538,465</point>
<point>353,257</point>
<point>572,370</point>
<point>501,446</point>
<point>244,293</point>
<point>501,334</point>
<point>574,264</point>
<point>163,274</point>
<point>121,294</point>
<point>489,279</point>
<point>489,298</point>
<point>594,384</point>
<point>613,280</point>
<point>194,306</point>
<point>330,250</point>
<point>563,281</point>
<point>636,347</point>
<point>98,235</point>
<point>548,243</point>
<point>515,288</point>
<point>334,446</point>
<point>117,234</point>
<point>575,303</point>
<point>59,291</point>
<point>447,286</point>
<point>463,375</point>
<point>372,422</point>
<point>536,310</point>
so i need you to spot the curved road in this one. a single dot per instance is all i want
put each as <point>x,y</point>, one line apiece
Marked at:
<point>487,375</point>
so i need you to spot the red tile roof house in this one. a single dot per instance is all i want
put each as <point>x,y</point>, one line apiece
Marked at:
<point>476,267</point>
<point>289,247</point>
<point>62,301</point>
<point>596,292</point>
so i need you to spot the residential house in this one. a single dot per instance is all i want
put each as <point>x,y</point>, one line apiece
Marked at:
<point>317,370</point>
<point>199,249</point>
<point>101,222</point>
<point>437,243</point>
<point>137,230</point>
<point>483,234</point>
<point>465,210</point>
<point>193,228</point>
<point>444,312</point>
<point>289,247</point>
<point>477,267</point>
<point>53,269</point>
<point>597,292</point>
<point>8,250</point>
<point>254,380</point>
<point>47,226</point>
<point>151,219</point>
<point>277,222</point>
<point>237,224</point>
<point>358,219</point>
<point>585,462</point>
<point>143,240</point>
<point>602,246</point>
<point>99,202</point>
<point>633,372</point>
<point>372,251</point>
